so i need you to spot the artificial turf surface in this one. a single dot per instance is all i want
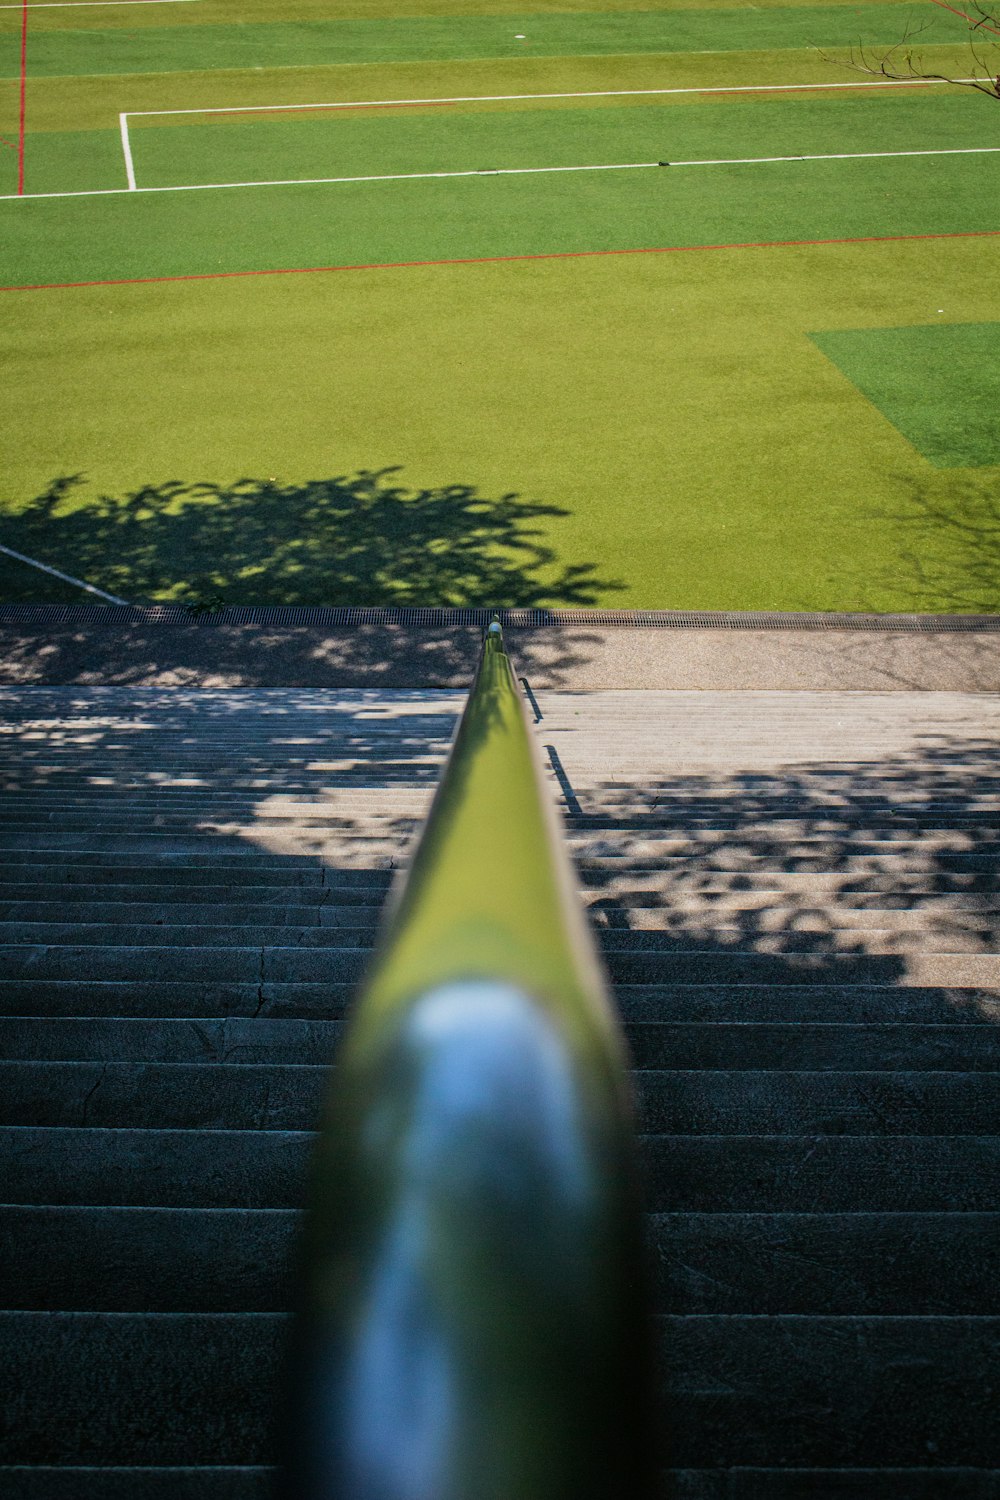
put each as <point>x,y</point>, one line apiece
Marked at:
<point>805,426</point>
<point>939,386</point>
<point>407,38</point>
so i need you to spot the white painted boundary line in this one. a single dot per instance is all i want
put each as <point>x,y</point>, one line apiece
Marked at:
<point>752,161</point>
<point>66,577</point>
<point>127,149</point>
<point>627,166</point>
<point>254,109</point>
<point>743,88</point>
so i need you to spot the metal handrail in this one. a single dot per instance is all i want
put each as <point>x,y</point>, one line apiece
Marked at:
<point>472,1322</point>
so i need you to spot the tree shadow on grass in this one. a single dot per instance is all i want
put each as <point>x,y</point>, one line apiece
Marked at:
<point>363,539</point>
<point>948,556</point>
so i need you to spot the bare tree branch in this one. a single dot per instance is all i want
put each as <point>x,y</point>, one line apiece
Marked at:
<point>900,63</point>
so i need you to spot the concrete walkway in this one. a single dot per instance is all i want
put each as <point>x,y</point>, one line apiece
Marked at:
<point>578,658</point>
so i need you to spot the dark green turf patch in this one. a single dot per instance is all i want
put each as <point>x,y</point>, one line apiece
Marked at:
<point>938,385</point>
<point>426,38</point>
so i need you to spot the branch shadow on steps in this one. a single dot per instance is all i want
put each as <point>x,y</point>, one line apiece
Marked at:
<point>854,874</point>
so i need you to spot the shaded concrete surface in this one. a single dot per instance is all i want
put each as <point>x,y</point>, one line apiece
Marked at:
<point>573,657</point>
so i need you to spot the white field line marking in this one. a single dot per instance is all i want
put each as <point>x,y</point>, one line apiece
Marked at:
<point>751,161</point>
<point>127,149</point>
<point>66,577</point>
<point>625,166</point>
<point>207,187</point>
<point>744,88</point>
<point>748,88</point>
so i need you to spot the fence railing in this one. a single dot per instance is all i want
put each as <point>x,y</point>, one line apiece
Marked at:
<point>472,1320</point>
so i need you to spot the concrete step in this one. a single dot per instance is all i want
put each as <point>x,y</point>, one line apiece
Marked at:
<point>673,835</point>
<point>804,934</point>
<point>273,964</point>
<point>813,934</point>
<point>165,933</point>
<point>646,910</point>
<point>170,879</point>
<point>193,845</point>
<point>860,796</point>
<point>616,858</point>
<point>173,1096</point>
<point>126,1039</point>
<point>756,912</point>
<point>636,887</point>
<point>51,794</point>
<point>109,916</point>
<point>155,1168</point>
<point>857,1389</point>
<point>85,1259</point>
<point>673,1102</point>
<point>406,772</point>
<point>735,1046</point>
<point>39,997</point>
<point>795,966</point>
<point>617,854</point>
<point>244,965</point>
<point>226,1260</point>
<point>221,823</point>
<point>177,1388</point>
<point>832,1174</point>
<point>250,867</point>
<point>797,1046</point>
<point>760,1483</point>
<point>71,898</point>
<point>829,1264</point>
<point>251,1096</point>
<point>75,1482</point>
<point>682,1174</point>
<point>858,1004</point>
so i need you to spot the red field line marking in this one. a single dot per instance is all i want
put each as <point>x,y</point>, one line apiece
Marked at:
<point>980,25</point>
<point>22,112</point>
<point>488,260</point>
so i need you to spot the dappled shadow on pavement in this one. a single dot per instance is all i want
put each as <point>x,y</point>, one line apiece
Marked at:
<point>263,656</point>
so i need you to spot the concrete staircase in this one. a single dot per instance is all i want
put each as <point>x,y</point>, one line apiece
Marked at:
<point>799,902</point>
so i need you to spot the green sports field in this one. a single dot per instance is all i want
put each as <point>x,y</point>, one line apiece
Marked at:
<point>436,301</point>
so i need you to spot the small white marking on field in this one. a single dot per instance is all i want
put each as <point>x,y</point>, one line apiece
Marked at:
<point>626,166</point>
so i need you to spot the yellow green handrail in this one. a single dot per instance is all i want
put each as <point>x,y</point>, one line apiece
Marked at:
<point>472,1319</point>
